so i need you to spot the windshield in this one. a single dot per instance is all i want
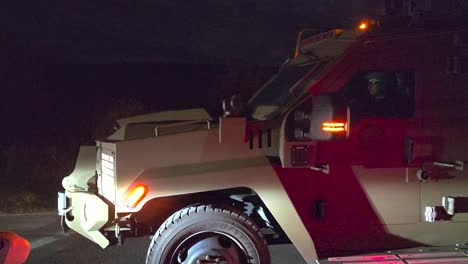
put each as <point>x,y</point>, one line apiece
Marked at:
<point>290,82</point>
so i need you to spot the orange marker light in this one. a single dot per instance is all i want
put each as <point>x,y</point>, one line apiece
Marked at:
<point>363,26</point>
<point>334,127</point>
<point>136,195</point>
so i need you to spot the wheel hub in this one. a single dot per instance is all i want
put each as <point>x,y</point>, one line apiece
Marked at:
<point>209,248</point>
<point>212,260</point>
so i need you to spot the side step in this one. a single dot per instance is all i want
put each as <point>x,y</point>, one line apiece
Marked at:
<point>424,255</point>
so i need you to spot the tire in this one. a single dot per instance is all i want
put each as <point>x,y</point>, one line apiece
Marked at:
<point>208,234</point>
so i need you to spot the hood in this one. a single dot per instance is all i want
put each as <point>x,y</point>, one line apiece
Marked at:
<point>167,116</point>
<point>143,126</point>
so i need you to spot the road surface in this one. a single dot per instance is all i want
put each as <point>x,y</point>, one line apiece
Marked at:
<point>50,245</point>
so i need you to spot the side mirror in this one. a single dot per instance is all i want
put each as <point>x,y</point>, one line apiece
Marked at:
<point>13,248</point>
<point>320,118</point>
<point>233,107</point>
<point>329,119</point>
<point>314,119</point>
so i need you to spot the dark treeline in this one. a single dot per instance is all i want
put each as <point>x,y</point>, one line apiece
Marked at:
<point>74,101</point>
<point>49,109</point>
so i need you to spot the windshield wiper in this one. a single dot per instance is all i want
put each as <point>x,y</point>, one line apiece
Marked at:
<point>296,85</point>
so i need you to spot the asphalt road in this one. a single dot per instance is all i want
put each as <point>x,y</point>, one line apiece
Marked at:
<point>50,245</point>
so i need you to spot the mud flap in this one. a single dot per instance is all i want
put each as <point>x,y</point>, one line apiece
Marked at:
<point>63,225</point>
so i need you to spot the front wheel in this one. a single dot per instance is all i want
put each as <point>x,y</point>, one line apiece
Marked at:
<point>207,234</point>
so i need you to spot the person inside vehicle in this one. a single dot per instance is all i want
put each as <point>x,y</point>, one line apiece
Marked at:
<point>380,101</point>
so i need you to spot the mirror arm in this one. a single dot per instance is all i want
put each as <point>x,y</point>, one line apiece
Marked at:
<point>324,168</point>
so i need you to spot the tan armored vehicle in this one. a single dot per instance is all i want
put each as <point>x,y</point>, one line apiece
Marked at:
<point>356,145</point>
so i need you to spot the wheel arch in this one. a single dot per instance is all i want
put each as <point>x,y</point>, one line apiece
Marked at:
<point>188,181</point>
<point>157,210</point>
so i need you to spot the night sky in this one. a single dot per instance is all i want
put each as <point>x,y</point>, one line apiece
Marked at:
<point>64,64</point>
<point>209,31</point>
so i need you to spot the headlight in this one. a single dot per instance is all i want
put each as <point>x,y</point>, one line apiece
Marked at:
<point>301,125</point>
<point>106,183</point>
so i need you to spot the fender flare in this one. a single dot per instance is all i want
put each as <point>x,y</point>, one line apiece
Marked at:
<point>254,173</point>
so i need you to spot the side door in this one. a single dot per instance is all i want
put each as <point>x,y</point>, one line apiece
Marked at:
<point>445,115</point>
<point>369,181</point>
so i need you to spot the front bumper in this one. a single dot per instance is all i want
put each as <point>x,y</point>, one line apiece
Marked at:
<point>85,213</point>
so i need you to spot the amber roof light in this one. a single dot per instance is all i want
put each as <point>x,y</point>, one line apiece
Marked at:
<point>363,26</point>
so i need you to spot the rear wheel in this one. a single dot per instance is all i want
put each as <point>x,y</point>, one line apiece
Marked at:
<point>208,234</point>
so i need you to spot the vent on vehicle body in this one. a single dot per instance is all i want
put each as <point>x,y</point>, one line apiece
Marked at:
<point>106,180</point>
<point>302,155</point>
<point>260,134</point>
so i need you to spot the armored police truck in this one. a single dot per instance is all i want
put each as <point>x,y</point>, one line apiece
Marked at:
<point>357,144</point>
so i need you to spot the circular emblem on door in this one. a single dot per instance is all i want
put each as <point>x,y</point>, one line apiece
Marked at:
<point>373,138</point>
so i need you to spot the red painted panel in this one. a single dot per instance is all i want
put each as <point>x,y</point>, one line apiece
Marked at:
<point>378,142</point>
<point>350,222</point>
<point>302,186</point>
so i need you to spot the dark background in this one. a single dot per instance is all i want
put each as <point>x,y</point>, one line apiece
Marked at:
<point>176,31</point>
<point>69,69</point>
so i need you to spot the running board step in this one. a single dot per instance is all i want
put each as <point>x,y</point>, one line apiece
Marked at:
<point>425,255</point>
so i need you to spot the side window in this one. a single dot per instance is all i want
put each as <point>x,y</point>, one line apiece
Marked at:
<point>380,94</point>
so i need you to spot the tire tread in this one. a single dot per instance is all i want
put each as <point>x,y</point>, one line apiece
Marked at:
<point>190,211</point>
